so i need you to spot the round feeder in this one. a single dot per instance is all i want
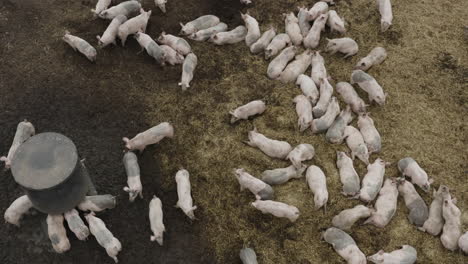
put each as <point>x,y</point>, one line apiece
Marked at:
<point>48,168</point>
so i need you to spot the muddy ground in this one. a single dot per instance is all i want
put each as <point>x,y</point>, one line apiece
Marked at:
<point>43,80</point>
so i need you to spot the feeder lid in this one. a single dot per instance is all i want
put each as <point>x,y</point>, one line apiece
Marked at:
<point>44,161</point>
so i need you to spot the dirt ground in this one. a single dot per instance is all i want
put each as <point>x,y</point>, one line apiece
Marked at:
<point>43,80</point>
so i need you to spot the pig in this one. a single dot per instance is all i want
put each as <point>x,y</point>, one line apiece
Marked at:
<point>375,57</point>
<point>185,202</point>
<point>253,30</point>
<point>229,37</point>
<point>322,124</point>
<point>347,46</point>
<point>303,20</point>
<point>369,133</point>
<point>318,185</point>
<point>410,168</point>
<point>308,88</point>
<point>97,203</point>
<point>81,45</point>
<point>386,204</point>
<point>171,56</point>
<point>256,107</point>
<point>346,218</point>
<point>278,43</point>
<point>463,242</point>
<point>76,224</point>
<point>451,231</point>
<point>335,22</point>
<point>296,68</point>
<point>311,41</point>
<point>248,256</point>
<point>385,9</point>
<point>57,233</point>
<point>370,86</point>
<point>433,225</point>
<point>282,175</point>
<point>277,209</point>
<point>151,47</point>
<point>110,34</point>
<point>261,44</point>
<point>405,255</point>
<point>300,153</point>
<point>318,9</point>
<point>271,147</point>
<point>132,170</point>
<point>372,181</point>
<point>350,97</point>
<point>17,209</point>
<point>260,189</point>
<point>246,2</point>
<point>205,34</point>
<point>156,220</point>
<point>304,112</point>
<point>188,68</point>
<point>344,245</point>
<point>200,23</point>
<point>356,144</point>
<point>103,236</point>
<point>101,5</point>
<point>348,175</point>
<point>127,8</point>
<point>178,44</point>
<point>133,26</point>
<point>326,91</point>
<point>418,211</point>
<point>293,29</point>
<point>277,65</point>
<point>161,4</point>
<point>335,133</point>
<point>318,68</point>
<point>24,131</point>
<point>149,137</point>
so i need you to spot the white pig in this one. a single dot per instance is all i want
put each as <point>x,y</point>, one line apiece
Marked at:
<point>347,46</point>
<point>132,170</point>
<point>272,148</point>
<point>188,68</point>
<point>318,68</point>
<point>311,41</point>
<point>282,175</point>
<point>300,153</point>
<point>303,18</point>
<point>375,57</point>
<point>161,4</point>
<point>81,45</point>
<point>205,34</point>
<point>318,9</point>
<point>451,231</point>
<point>178,44</point>
<point>318,185</point>
<point>277,209</point>
<point>127,8</point>
<point>335,134</point>
<point>304,112</point>
<point>296,68</point>
<point>17,209</point>
<point>200,23</point>
<point>103,236</point>
<point>57,233</point>
<point>110,34</point>
<point>356,144</point>
<point>97,203</point>
<point>149,137</point>
<point>246,2</point>
<point>385,9</point>
<point>171,56</point>
<point>322,124</point>
<point>278,43</point>
<point>151,47</point>
<point>372,181</point>
<point>247,255</point>
<point>293,29</point>
<point>24,131</point>
<point>76,224</point>
<point>463,243</point>
<point>263,41</point>
<point>229,37</point>
<point>308,88</point>
<point>346,218</point>
<point>253,30</point>
<point>418,211</point>
<point>277,65</point>
<point>348,175</point>
<point>386,204</point>
<point>156,220</point>
<point>369,85</point>
<point>433,225</point>
<point>101,5</point>
<point>369,133</point>
<point>185,202</point>
<point>260,189</point>
<point>405,255</point>
<point>344,245</point>
<point>326,92</point>
<point>133,26</point>
<point>335,22</point>
<point>243,112</point>
<point>410,168</point>
<point>350,97</point>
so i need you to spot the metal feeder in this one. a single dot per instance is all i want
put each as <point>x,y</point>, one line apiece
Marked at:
<point>49,170</point>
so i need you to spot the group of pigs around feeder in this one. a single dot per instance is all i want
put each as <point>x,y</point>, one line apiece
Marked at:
<point>317,109</point>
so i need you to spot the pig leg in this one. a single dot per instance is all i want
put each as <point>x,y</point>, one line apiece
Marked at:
<point>347,55</point>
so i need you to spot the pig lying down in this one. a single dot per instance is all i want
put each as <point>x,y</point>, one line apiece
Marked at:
<point>76,224</point>
<point>335,134</point>
<point>24,131</point>
<point>261,44</point>
<point>185,202</point>
<point>17,209</point>
<point>110,34</point>
<point>188,68</point>
<point>318,185</point>
<point>133,26</point>
<point>278,43</point>
<point>149,137</point>
<point>405,255</point>
<point>311,41</point>
<point>418,211</point>
<point>260,189</point>
<point>322,124</point>
<point>57,233</point>
<point>205,34</point>
<point>292,28</point>
<point>326,92</point>
<point>375,57</point>
<point>151,47</point>
<point>127,8</point>
<point>229,37</point>
<point>277,209</point>
<point>348,175</point>
<point>370,86</point>
<point>178,44</point>
<point>132,170</point>
<point>256,107</point>
<point>198,24</point>
<point>344,245</point>
<point>433,225</point>
<point>308,88</point>
<point>451,231</point>
<point>248,256</point>
<point>369,133</point>
<point>319,71</point>
<point>277,65</point>
<point>463,243</point>
<point>296,68</point>
<point>350,97</point>
<point>386,204</point>
<point>103,236</point>
<point>410,168</point>
<point>171,56</point>
<point>304,112</point>
<point>300,153</point>
<point>282,175</point>
<point>81,45</point>
<point>373,180</point>
<point>346,218</point>
<point>253,30</point>
<point>272,148</point>
<point>156,220</point>
<point>303,18</point>
<point>356,144</point>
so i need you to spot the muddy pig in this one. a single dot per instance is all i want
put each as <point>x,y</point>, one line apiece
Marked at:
<point>304,112</point>
<point>322,124</point>
<point>344,245</point>
<point>76,224</point>
<point>335,134</point>
<point>372,181</point>
<point>260,189</point>
<point>410,168</point>
<point>418,211</point>
<point>57,233</point>
<point>81,45</point>
<point>386,204</point>
<point>318,185</point>
<point>348,175</point>
<point>282,175</point>
<point>188,68</point>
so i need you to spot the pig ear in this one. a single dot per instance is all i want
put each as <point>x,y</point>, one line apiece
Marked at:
<point>182,25</point>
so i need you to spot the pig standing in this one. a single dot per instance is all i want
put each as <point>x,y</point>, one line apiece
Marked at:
<point>229,37</point>
<point>133,26</point>
<point>300,153</point>
<point>127,8</point>
<point>348,175</point>
<point>304,112</point>
<point>161,4</point>
<point>110,34</point>
<point>24,131</point>
<point>132,170</point>
<point>151,47</point>
<point>311,41</point>
<point>385,9</point>
<point>103,236</point>
<point>256,107</point>
<point>463,243</point>
<point>205,34</point>
<point>178,44</point>
<point>405,255</point>
<point>451,231</point>
<point>322,124</point>
<point>296,68</point>
<point>370,86</point>
<point>303,18</point>
<point>347,46</point>
<point>326,92</point>
<point>185,201</point>
<point>171,56</point>
<point>156,220</point>
<point>356,144</point>
<point>308,88</point>
<point>272,148</point>
<point>81,45</point>
<point>318,185</point>
<point>261,190</point>
<point>293,29</point>
<point>410,168</point>
<point>372,181</point>
<point>253,30</point>
<point>277,209</point>
<point>277,65</point>
<point>335,133</point>
<point>149,137</point>
<point>101,5</point>
<point>188,68</point>
<point>278,43</point>
<point>248,256</point>
<point>76,224</point>
<point>200,23</point>
<point>369,133</point>
<point>433,225</point>
<point>97,203</point>
<point>386,204</point>
<point>282,175</point>
<point>335,22</point>
<point>375,57</point>
<point>350,97</point>
<point>344,245</point>
<point>418,212</point>
<point>17,209</point>
<point>263,41</point>
<point>318,9</point>
<point>346,218</point>
<point>319,71</point>
<point>57,233</point>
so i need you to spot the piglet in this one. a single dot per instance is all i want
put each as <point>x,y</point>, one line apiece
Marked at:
<point>248,256</point>
<point>57,233</point>
<point>451,231</point>
<point>101,5</point>
<point>322,124</point>
<point>151,47</point>
<point>369,133</point>
<point>311,41</point>
<point>171,56</point>
<point>433,225</point>
<point>271,147</point>
<point>375,57</point>
<point>347,46</point>
<point>97,203</point>
<point>24,131</point>
<point>335,22</point>
<point>463,243</point>
<point>356,144</point>
<point>178,44</point>
<point>348,175</point>
<point>303,18</point>
<point>386,204</point>
<point>253,30</point>
<point>76,224</point>
<point>200,23</point>
<point>243,112</point>
<point>205,34</point>
<point>149,137</point>
<point>308,88</point>
<point>133,26</point>
<point>277,209</point>
<point>81,45</point>
<point>372,181</point>
<point>292,28</point>
<point>300,153</point>
<point>410,168</point>
<point>418,212</point>
<point>282,175</point>
<point>318,185</point>
<point>185,202</point>
<point>110,34</point>
<point>277,65</point>
<point>346,218</point>
<point>370,86</point>
<point>344,245</point>
<point>296,68</point>
<point>229,37</point>
<point>188,68</point>
<point>318,9</point>
<point>385,9</point>
<point>103,236</point>
<point>350,97</point>
<point>260,189</point>
<point>161,4</point>
<point>326,92</point>
<point>132,170</point>
<point>319,71</point>
<point>335,133</point>
<point>304,112</point>
<point>156,220</point>
<point>405,255</point>
<point>261,44</point>
<point>126,8</point>
<point>17,209</point>
<point>278,43</point>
